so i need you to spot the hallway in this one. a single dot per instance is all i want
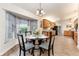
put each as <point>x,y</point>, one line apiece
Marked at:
<point>63,46</point>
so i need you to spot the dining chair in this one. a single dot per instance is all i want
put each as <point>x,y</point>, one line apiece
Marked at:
<point>47,45</point>
<point>53,41</point>
<point>53,44</point>
<point>24,46</point>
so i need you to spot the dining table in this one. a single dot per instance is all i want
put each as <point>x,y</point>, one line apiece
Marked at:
<point>38,38</point>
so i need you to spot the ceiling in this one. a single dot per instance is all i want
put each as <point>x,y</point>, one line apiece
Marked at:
<point>51,9</point>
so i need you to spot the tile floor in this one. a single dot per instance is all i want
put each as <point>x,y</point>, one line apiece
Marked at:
<point>64,46</point>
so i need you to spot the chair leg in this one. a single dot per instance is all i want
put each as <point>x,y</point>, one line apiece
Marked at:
<point>32,51</point>
<point>29,51</point>
<point>24,53</point>
<point>48,52</point>
<point>40,51</point>
<point>53,46</point>
<point>52,52</point>
<point>20,52</point>
<point>34,42</point>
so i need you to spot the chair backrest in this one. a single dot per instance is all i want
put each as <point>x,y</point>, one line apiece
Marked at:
<point>28,32</point>
<point>50,40</point>
<point>53,40</point>
<point>21,41</point>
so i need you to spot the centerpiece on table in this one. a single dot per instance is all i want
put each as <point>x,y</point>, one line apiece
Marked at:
<point>38,32</point>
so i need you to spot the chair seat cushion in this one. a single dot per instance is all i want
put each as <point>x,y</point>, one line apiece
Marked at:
<point>44,46</point>
<point>28,46</point>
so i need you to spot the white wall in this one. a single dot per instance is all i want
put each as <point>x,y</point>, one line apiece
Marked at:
<point>78,28</point>
<point>5,47</point>
<point>2,26</point>
<point>78,34</point>
<point>17,9</point>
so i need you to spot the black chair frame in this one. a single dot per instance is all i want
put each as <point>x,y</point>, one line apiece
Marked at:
<point>49,45</point>
<point>22,45</point>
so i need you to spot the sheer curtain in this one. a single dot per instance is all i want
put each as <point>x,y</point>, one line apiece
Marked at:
<point>12,23</point>
<point>22,21</point>
<point>10,26</point>
<point>33,25</point>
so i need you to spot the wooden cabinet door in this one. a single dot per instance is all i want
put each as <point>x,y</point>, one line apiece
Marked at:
<point>68,33</point>
<point>75,37</point>
<point>47,23</point>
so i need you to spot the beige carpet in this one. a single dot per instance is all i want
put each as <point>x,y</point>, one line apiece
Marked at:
<point>64,46</point>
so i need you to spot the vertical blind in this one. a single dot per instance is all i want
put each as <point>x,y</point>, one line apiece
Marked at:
<point>11,25</point>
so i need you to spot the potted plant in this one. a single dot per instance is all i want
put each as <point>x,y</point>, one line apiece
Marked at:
<point>23,28</point>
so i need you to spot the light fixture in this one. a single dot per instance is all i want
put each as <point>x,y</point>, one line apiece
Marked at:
<point>40,12</point>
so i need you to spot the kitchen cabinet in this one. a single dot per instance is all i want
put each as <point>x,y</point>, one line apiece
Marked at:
<point>68,33</point>
<point>75,38</point>
<point>72,34</point>
<point>48,24</point>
